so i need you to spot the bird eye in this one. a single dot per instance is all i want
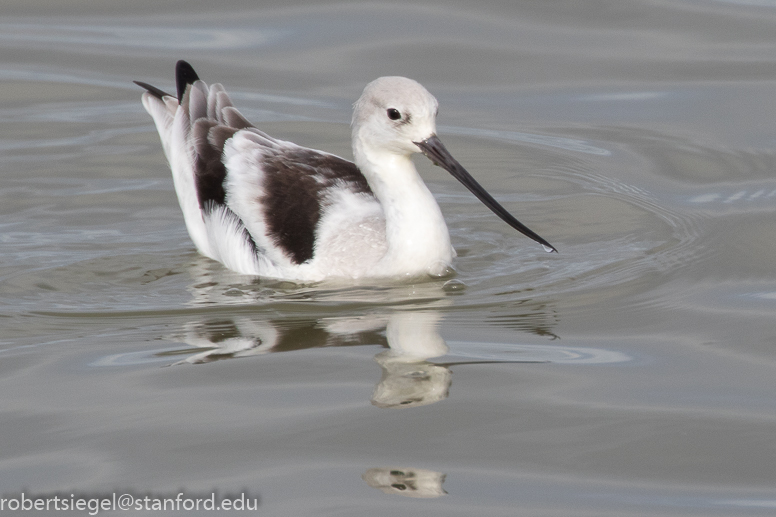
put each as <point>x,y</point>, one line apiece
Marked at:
<point>393,114</point>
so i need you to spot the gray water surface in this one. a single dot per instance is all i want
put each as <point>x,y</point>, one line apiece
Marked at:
<point>633,373</point>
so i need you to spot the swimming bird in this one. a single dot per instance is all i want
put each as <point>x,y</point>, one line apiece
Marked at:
<point>263,206</point>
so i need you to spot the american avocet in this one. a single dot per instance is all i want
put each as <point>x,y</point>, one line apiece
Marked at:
<point>268,207</point>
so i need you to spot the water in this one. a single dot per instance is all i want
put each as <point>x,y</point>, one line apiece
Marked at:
<point>631,373</point>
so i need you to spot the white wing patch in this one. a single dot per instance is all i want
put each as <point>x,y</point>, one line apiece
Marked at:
<point>351,234</point>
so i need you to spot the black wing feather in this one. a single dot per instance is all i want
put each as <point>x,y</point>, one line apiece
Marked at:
<point>153,90</point>
<point>184,76</point>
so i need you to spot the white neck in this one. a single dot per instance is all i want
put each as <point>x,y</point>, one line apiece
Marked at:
<point>416,233</point>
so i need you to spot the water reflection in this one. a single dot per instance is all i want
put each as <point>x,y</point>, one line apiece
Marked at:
<point>410,384</point>
<point>401,318</point>
<point>419,483</point>
<point>411,338</point>
<point>231,316</point>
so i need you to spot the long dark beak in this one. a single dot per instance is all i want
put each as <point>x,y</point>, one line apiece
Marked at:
<point>433,148</point>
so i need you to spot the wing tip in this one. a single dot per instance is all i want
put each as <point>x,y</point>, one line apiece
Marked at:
<point>184,76</point>
<point>153,90</point>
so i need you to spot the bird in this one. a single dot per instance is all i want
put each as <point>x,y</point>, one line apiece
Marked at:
<point>271,208</point>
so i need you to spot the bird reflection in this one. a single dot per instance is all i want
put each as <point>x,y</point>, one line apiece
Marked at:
<point>405,324</point>
<point>408,482</point>
<point>408,379</point>
<point>410,384</point>
<point>411,338</point>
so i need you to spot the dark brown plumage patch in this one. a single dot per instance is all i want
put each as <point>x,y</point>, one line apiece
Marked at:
<point>296,182</point>
<point>209,169</point>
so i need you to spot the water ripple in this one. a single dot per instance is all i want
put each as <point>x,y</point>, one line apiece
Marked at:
<point>100,37</point>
